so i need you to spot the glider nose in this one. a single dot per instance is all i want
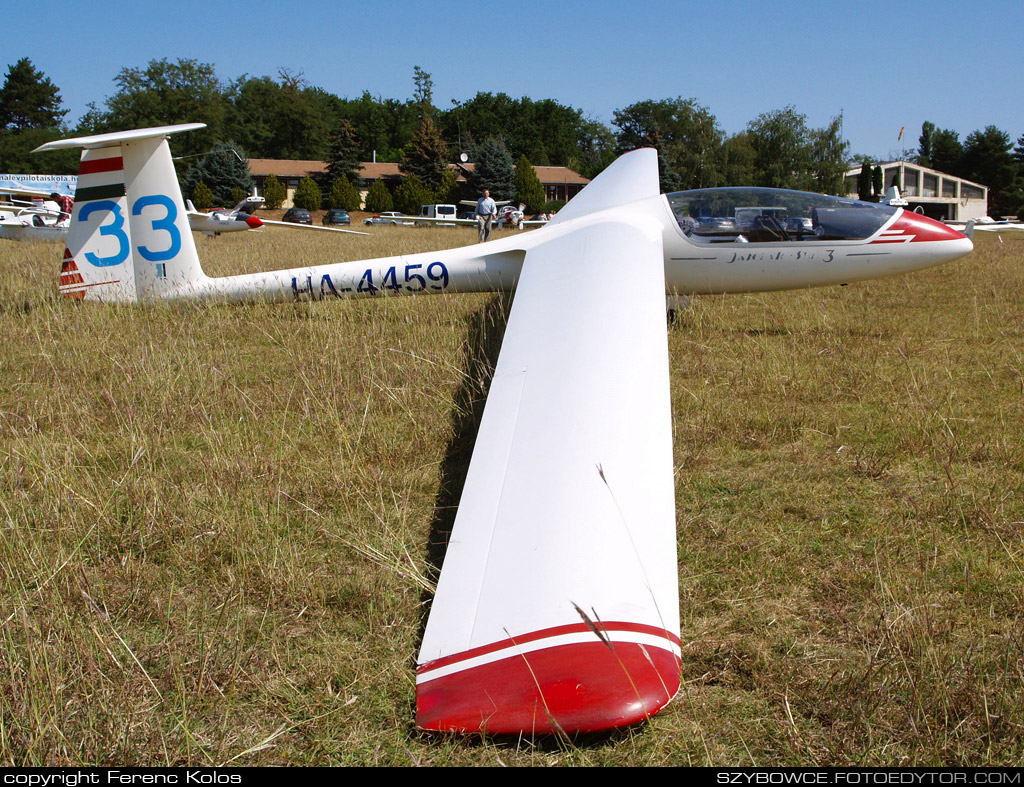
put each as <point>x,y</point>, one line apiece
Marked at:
<point>926,229</point>
<point>923,242</point>
<point>253,222</point>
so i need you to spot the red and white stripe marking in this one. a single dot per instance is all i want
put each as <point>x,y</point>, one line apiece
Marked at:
<point>565,678</point>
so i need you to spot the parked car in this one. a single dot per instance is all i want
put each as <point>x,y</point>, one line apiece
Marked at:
<point>336,216</point>
<point>388,217</point>
<point>297,216</point>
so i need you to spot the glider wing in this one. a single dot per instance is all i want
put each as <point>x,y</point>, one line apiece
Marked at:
<point>557,605</point>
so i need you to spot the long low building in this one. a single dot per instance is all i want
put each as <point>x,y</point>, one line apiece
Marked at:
<point>560,183</point>
<point>936,194</point>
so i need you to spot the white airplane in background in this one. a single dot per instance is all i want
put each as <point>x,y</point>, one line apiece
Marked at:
<point>557,608</point>
<point>32,217</point>
<point>987,224</point>
<point>444,215</point>
<point>236,219</point>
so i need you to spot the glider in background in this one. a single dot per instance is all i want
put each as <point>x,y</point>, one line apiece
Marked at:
<point>557,608</point>
<point>241,218</point>
<point>445,215</point>
<point>26,214</point>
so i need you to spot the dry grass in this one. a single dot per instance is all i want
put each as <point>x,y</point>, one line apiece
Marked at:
<point>216,523</point>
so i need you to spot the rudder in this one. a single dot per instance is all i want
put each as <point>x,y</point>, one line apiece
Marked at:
<point>129,238</point>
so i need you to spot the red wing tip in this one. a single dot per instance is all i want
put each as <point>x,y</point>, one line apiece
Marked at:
<point>574,688</point>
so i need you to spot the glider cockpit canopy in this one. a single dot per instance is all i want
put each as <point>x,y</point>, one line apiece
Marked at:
<point>762,215</point>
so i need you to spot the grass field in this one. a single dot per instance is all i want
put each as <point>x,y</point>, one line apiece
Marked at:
<point>218,525</point>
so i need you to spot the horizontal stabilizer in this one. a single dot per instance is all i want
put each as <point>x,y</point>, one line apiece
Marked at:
<point>117,137</point>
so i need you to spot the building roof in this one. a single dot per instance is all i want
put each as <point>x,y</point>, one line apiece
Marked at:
<point>375,170</point>
<point>284,168</point>
<point>546,175</point>
<point>889,164</point>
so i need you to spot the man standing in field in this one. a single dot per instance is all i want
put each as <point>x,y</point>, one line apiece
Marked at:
<point>485,212</point>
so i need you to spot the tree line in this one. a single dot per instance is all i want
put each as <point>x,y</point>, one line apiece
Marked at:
<point>288,118</point>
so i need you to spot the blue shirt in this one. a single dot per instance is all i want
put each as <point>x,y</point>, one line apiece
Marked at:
<point>485,207</point>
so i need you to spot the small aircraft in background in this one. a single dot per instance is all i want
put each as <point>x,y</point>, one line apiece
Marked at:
<point>236,219</point>
<point>557,607</point>
<point>31,215</point>
<point>987,224</point>
<point>240,218</point>
<point>446,216</point>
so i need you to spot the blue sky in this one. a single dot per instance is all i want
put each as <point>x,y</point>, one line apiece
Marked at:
<point>928,61</point>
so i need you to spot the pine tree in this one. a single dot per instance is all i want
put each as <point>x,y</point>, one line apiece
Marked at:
<point>877,183</point>
<point>494,170</point>
<point>223,170</point>
<point>307,195</point>
<point>426,154</point>
<point>28,99</point>
<point>529,189</point>
<point>343,154</point>
<point>378,198</point>
<point>273,192</point>
<point>864,182</point>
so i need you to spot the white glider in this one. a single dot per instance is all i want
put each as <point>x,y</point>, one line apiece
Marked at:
<point>557,606</point>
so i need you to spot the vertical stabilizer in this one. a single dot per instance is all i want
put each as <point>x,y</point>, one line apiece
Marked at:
<point>129,238</point>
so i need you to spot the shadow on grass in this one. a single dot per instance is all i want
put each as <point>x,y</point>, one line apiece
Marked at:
<point>480,354</point>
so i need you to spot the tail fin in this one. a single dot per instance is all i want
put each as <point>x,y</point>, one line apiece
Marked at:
<point>129,238</point>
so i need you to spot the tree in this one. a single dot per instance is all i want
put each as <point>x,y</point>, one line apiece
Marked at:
<point>411,194</point>
<point>987,160</point>
<point>529,189</point>
<point>737,160</point>
<point>924,145</point>
<point>424,92</point>
<point>947,152</point>
<point>307,195</point>
<point>426,154</point>
<point>29,100</point>
<point>165,93</point>
<point>449,191</point>
<point>864,190</point>
<point>493,169</point>
<point>378,198</point>
<point>343,154</point>
<point>877,182</point>
<point>686,135</point>
<point>596,149</point>
<point>344,195</point>
<point>300,127</point>
<point>828,158</point>
<point>273,192</point>
<point>223,170</point>
<point>546,132</point>
<point>30,115</point>
<point>780,139</point>
<point>202,197</point>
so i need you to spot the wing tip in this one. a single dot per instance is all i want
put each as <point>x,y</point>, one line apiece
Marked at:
<point>580,687</point>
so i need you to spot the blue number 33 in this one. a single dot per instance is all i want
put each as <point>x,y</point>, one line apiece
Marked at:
<point>115,229</point>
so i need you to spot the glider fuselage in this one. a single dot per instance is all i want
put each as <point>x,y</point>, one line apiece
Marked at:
<point>728,256</point>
